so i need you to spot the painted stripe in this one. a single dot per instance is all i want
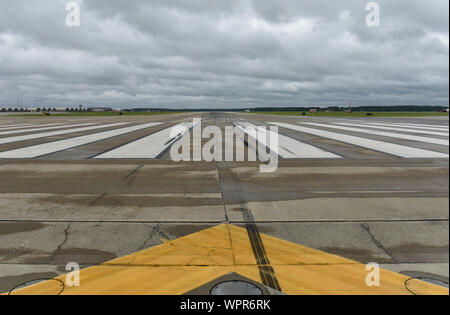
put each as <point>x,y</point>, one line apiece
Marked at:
<point>288,148</point>
<point>14,124</point>
<point>438,132</point>
<point>149,147</point>
<point>419,127</point>
<point>424,126</point>
<point>426,132</point>
<point>54,133</point>
<point>45,128</point>
<point>385,134</point>
<point>400,125</point>
<point>182,265</point>
<point>10,127</point>
<point>386,147</point>
<point>52,147</point>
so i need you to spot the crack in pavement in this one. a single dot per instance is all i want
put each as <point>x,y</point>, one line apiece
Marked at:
<point>66,238</point>
<point>377,243</point>
<point>153,231</point>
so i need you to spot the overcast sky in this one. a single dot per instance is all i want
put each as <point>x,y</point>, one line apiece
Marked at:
<point>224,53</point>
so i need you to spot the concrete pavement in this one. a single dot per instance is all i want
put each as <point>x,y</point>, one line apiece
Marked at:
<point>368,205</point>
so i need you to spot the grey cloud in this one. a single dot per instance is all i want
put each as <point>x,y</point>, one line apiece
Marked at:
<point>215,53</point>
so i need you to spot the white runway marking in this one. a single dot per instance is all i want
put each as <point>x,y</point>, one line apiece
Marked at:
<point>400,125</point>
<point>149,147</point>
<point>16,127</point>
<point>289,148</point>
<point>404,129</point>
<point>424,126</point>
<point>381,146</point>
<point>10,127</point>
<point>52,147</point>
<point>54,133</point>
<point>43,128</point>
<point>384,134</point>
<point>400,128</point>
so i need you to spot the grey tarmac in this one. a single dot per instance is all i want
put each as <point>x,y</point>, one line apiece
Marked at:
<point>367,205</point>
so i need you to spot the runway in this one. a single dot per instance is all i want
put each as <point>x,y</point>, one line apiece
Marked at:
<point>91,190</point>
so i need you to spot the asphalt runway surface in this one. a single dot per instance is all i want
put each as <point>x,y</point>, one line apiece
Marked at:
<point>93,189</point>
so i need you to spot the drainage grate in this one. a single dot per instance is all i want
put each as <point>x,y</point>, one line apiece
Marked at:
<point>431,280</point>
<point>57,285</point>
<point>412,287</point>
<point>236,287</point>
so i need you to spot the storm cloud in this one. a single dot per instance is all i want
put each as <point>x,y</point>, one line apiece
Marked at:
<point>224,53</point>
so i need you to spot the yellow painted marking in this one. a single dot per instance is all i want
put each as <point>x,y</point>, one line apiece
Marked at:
<point>184,264</point>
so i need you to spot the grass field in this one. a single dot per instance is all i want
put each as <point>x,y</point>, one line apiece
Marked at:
<point>89,114</point>
<point>355,114</point>
<point>279,113</point>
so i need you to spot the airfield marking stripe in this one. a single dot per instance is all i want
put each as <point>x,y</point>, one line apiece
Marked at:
<point>149,147</point>
<point>15,125</point>
<point>52,147</point>
<point>44,128</point>
<point>381,146</point>
<point>189,262</point>
<point>55,133</point>
<point>403,129</point>
<point>425,126</point>
<point>10,127</point>
<point>385,134</point>
<point>288,148</point>
<point>442,128</point>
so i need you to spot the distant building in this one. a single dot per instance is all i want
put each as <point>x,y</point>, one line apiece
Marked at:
<point>100,109</point>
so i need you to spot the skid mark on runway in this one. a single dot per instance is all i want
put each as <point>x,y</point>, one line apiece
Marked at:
<point>266,271</point>
<point>128,180</point>
<point>231,188</point>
